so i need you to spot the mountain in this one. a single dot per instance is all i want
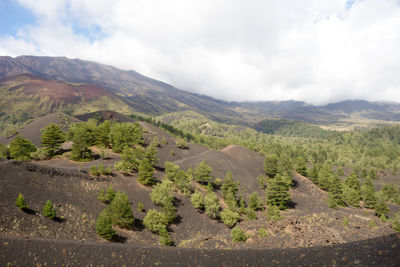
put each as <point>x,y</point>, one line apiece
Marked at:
<point>77,86</point>
<point>143,94</point>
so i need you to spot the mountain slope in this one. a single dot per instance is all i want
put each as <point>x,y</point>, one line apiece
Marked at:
<point>142,93</point>
<point>139,93</point>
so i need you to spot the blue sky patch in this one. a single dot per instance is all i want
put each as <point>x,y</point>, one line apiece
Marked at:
<point>13,17</point>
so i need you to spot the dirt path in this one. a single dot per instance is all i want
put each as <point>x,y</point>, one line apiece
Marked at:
<point>20,251</point>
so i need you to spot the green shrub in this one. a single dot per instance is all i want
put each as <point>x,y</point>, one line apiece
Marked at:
<point>104,225</point>
<point>4,151</point>
<point>155,221</point>
<point>39,154</point>
<point>161,194</point>
<point>262,233</point>
<point>169,211</point>
<point>197,200</point>
<point>20,202</point>
<point>52,138</point>
<point>229,217</point>
<point>255,202</point>
<point>146,172</point>
<point>120,211</point>
<point>181,143</point>
<point>93,170</point>
<point>48,210</point>
<point>21,148</point>
<point>345,222</point>
<point>238,235</point>
<point>211,204</point>
<point>140,207</point>
<point>273,214</point>
<point>165,238</point>
<point>250,214</point>
<point>203,172</point>
<point>396,222</point>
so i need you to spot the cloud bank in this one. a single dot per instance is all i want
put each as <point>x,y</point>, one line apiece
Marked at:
<point>310,50</point>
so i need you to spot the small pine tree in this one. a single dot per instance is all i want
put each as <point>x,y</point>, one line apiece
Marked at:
<point>151,151</point>
<point>51,139</point>
<point>21,148</point>
<point>262,233</point>
<point>104,225</point>
<point>229,217</point>
<point>140,207</point>
<point>381,209</point>
<point>335,192</point>
<point>20,202</point>
<point>203,173</point>
<point>250,214</point>
<point>273,214</point>
<point>4,151</point>
<point>238,235</point>
<point>161,194</point>
<point>110,193</point>
<point>301,166</point>
<point>171,170</point>
<point>396,222</point>
<point>271,165</point>
<point>278,192</point>
<point>120,211</point>
<point>255,202</point>
<point>48,210</point>
<point>82,138</point>
<point>368,193</point>
<point>197,200</point>
<point>102,196</point>
<point>93,170</point>
<point>169,211</point>
<point>165,238</point>
<point>155,221</point>
<point>211,205</point>
<point>146,172</point>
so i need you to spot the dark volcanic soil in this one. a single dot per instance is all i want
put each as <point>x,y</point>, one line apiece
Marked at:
<point>383,251</point>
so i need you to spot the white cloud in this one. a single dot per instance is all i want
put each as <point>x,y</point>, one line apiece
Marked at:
<point>316,51</point>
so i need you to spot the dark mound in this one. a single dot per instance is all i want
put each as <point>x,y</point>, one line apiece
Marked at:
<point>383,251</point>
<point>168,150</point>
<point>103,115</point>
<point>32,132</point>
<point>245,172</point>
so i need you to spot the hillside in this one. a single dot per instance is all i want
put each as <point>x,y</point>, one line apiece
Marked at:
<point>146,95</point>
<point>26,96</point>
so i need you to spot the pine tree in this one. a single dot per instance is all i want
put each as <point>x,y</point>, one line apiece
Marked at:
<point>203,172</point>
<point>229,186</point>
<point>151,151</point>
<point>229,217</point>
<point>301,166</point>
<point>368,193</point>
<point>171,170</point>
<point>82,138</point>
<point>161,194</point>
<point>278,192</point>
<point>48,210</point>
<point>211,205</point>
<point>146,172</point>
<point>255,202</point>
<point>20,202</point>
<point>51,139</point>
<point>197,200</point>
<point>102,134</point>
<point>381,209</point>
<point>104,225</point>
<point>271,165</point>
<point>20,148</point>
<point>335,192</point>
<point>120,211</point>
<point>4,151</point>
<point>155,221</point>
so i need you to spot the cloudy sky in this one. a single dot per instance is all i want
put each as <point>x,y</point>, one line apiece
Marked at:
<point>318,51</point>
